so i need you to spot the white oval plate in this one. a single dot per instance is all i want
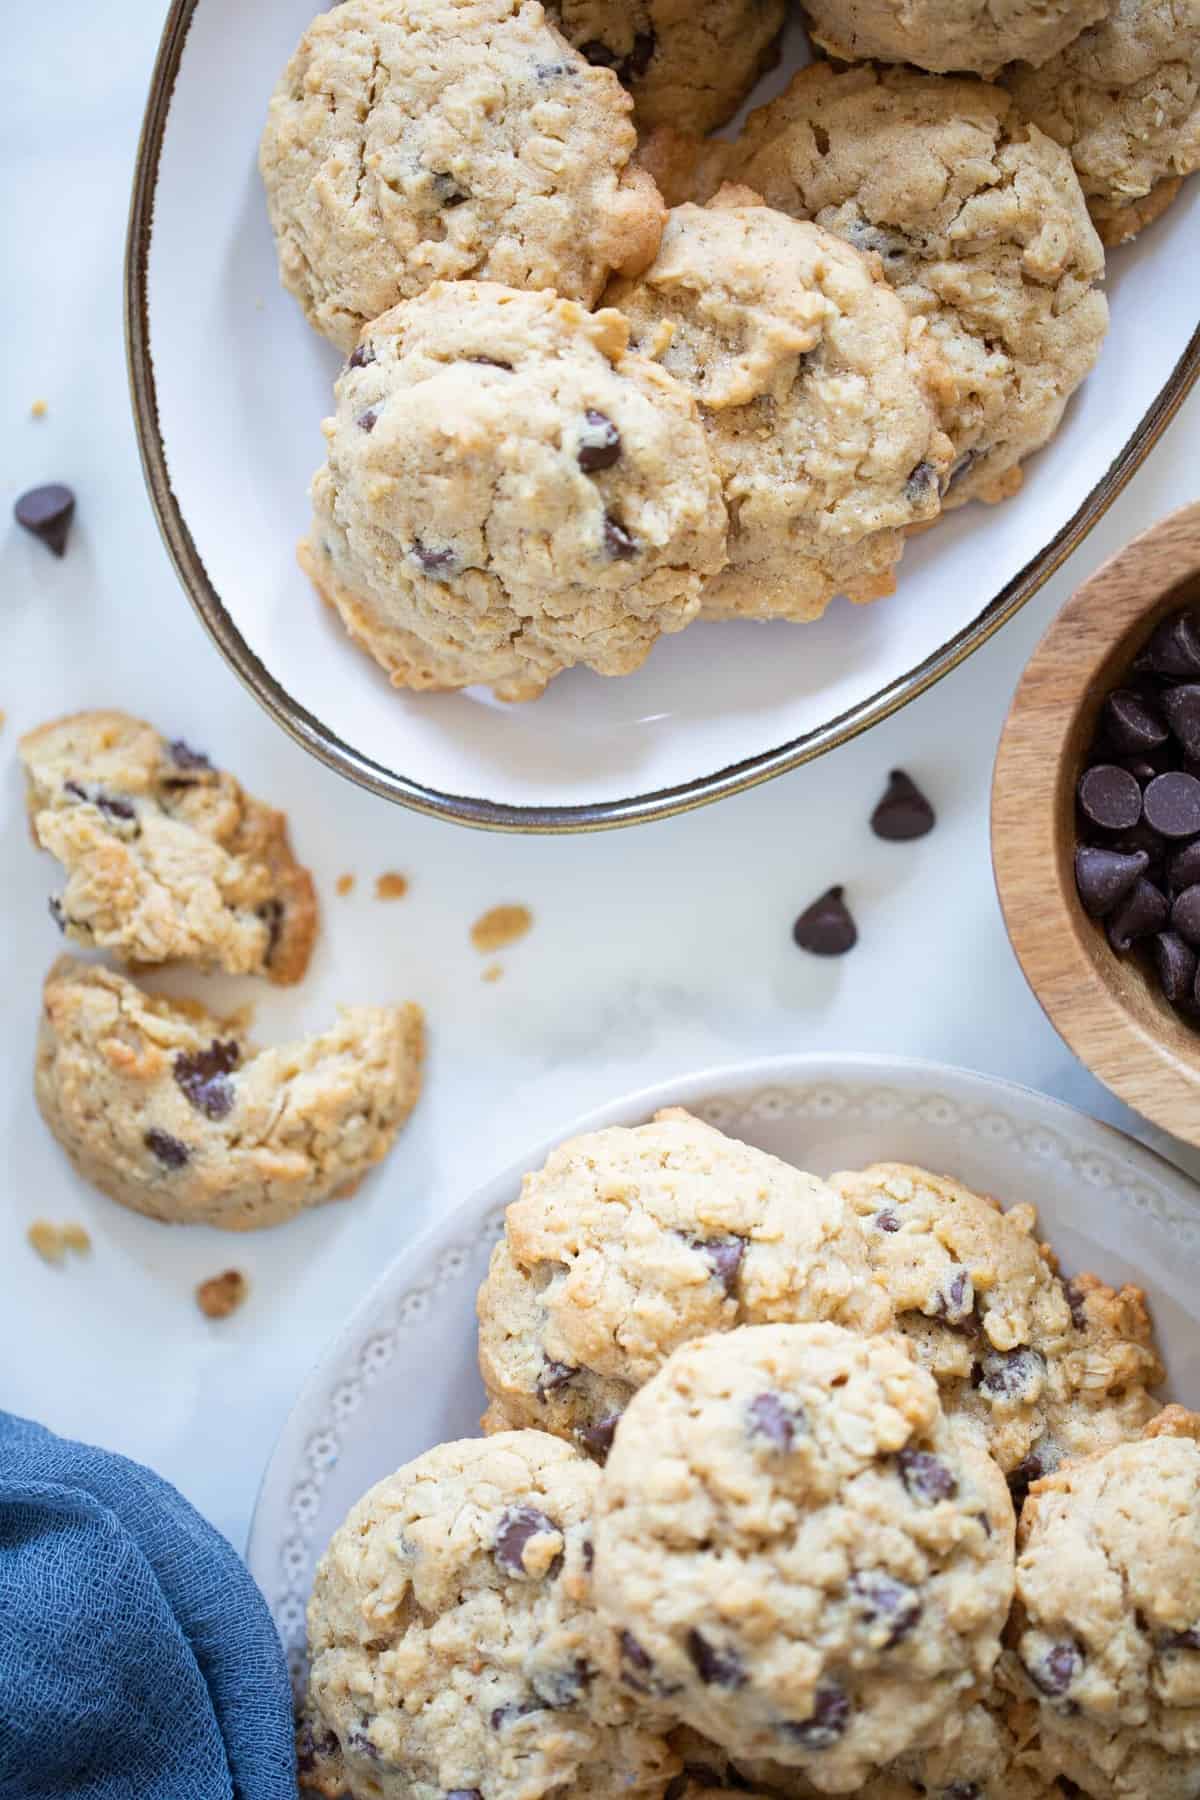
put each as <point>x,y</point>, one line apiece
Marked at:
<point>230,386</point>
<point>402,1376</point>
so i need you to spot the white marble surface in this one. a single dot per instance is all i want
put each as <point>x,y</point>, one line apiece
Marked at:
<point>655,951</point>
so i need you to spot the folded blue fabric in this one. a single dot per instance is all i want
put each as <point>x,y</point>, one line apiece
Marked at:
<point>137,1657</point>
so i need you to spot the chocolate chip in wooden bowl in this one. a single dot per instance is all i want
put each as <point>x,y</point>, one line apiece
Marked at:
<point>1171,804</point>
<point>1104,877</point>
<point>1132,723</point>
<point>1181,707</point>
<point>46,512</point>
<point>1109,797</point>
<point>1174,648</point>
<point>1176,963</point>
<point>1142,913</point>
<point>1183,868</point>
<point>826,928</point>
<point>1185,915</point>
<point>903,813</point>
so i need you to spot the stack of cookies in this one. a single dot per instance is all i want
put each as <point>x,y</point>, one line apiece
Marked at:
<point>599,384</point>
<point>787,1487</point>
<point>161,1104</point>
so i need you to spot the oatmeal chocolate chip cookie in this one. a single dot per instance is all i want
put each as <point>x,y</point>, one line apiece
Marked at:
<point>818,394</point>
<point>453,1640</point>
<point>411,141</point>
<point>1108,1614</point>
<point>796,1552</point>
<point>949,36</point>
<point>628,1243</point>
<point>167,858</point>
<point>980,225</point>
<point>689,65</point>
<point>1044,1368</point>
<point>1124,99</point>
<point>508,492</point>
<point>169,1111</point>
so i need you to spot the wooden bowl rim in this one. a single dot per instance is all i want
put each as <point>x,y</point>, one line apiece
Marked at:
<point>1061,954</point>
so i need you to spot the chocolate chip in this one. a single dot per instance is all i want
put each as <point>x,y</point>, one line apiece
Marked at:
<point>1043,1459</point>
<point>1053,1673</point>
<point>311,1744</point>
<point>554,1375</point>
<point>598,54</point>
<point>597,1438</point>
<point>826,1723</point>
<point>184,757</point>
<point>1171,804</point>
<point>204,1077</point>
<point>630,67</point>
<point>359,1744</point>
<point>716,1668</point>
<point>1104,877</point>
<point>904,812</point>
<point>1145,768</point>
<point>1180,1640</point>
<point>1009,1374</point>
<point>447,190</point>
<point>1143,912</point>
<point>589,1555</point>
<point>617,541</point>
<point>1183,868</point>
<point>169,1151</point>
<point>886,1221</point>
<point>641,56</point>
<point>517,1525</point>
<point>725,1254</point>
<point>1131,723</point>
<point>636,1664</point>
<point>774,1418</point>
<point>491,362</point>
<point>955,1302</point>
<point>47,513</point>
<point>826,928</point>
<point>436,563</point>
<point>563,1687</point>
<point>599,443</point>
<point>56,912</point>
<point>1110,797</point>
<point>1185,918</point>
<point>514,1709</point>
<point>271,914</point>
<point>367,421</point>
<point>882,1600</point>
<point>921,485</point>
<point>926,1476</point>
<point>111,805</point>
<point>1174,647</point>
<point>1181,707</point>
<point>1077,1301</point>
<point>362,354</point>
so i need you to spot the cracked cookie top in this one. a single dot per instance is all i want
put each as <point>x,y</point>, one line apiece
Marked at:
<point>453,1641</point>
<point>1124,99</point>
<point>411,141</point>
<point>509,491</point>
<point>799,1556</point>
<point>980,225</point>
<point>1108,1613</point>
<point>819,394</point>
<point>631,1241</point>
<point>949,36</point>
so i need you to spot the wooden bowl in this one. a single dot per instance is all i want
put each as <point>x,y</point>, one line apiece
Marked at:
<point>1106,1007</point>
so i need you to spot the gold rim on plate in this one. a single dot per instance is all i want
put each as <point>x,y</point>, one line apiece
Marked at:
<point>493,815</point>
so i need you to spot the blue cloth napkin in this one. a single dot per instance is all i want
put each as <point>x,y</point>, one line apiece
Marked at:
<point>137,1657</point>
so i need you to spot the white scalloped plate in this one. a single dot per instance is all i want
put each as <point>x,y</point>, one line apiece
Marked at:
<point>402,1375</point>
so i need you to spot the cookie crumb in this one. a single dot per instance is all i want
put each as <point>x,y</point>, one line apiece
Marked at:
<point>53,1241</point>
<point>345,884</point>
<point>493,972</point>
<point>391,886</point>
<point>38,410</point>
<point>502,926</point>
<point>221,1295</point>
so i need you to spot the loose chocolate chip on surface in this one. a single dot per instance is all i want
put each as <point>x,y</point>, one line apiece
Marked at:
<point>725,1254</point>
<point>1132,723</point>
<point>882,1600</point>
<point>1174,648</point>
<point>437,563</point>
<point>1054,1672</point>
<point>716,1668</point>
<point>47,513</point>
<point>184,757</point>
<point>554,1375</point>
<point>1183,868</point>
<point>597,1438</point>
<point>1182,708</point>
<point>1185,917</point>
<point>169,1151</point>
<point>904,812</point>
<point>1104,877</point>
<point>773,1418</point>
<point>826,1723</point>
<point>517,1525</point>
<point>1110,797</point>
<point>826,928</point>
<point>599,443</point>
<point>1143,911</point>
<point>1171,804</point>
<point>926,1476</point>
<point>617,541</point>
<point>204,1077</point>
<point>362,354</point>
